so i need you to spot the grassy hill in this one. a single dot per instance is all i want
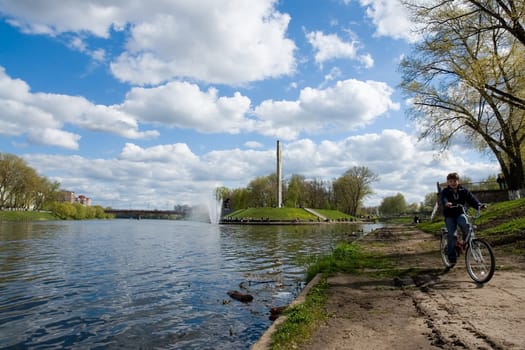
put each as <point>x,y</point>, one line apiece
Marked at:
<point>286,214</point>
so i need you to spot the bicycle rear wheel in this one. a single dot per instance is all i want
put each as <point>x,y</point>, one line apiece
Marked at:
<point>444,249</point>
<point>480,261</point>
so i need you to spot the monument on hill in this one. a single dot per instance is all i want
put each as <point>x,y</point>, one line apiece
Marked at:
<point>279,177</point>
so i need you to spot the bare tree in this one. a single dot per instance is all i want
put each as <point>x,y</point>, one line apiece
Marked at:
<point>352,187</point>
<point>463,52</point>
<point>508,15</point>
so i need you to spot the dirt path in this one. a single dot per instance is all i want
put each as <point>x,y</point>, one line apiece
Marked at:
<point>430,310</point>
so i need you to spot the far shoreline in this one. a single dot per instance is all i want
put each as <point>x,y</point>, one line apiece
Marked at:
<point>289,223</point>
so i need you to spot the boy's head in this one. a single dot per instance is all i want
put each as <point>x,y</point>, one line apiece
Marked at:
<point>453,180</point>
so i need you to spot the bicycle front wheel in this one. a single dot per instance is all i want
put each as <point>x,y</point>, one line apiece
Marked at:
<point>443,248</point>
<point>480,261</point>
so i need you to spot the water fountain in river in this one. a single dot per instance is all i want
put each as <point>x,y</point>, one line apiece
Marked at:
<point>215,209</point>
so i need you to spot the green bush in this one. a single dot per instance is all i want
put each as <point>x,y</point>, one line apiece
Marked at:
<point>76,211</point>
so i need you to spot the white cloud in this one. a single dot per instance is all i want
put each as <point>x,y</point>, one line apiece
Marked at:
<point>330,46</point>
<point>350,104</point>
<point>63,16</point>
<point>42,116</point>
<point>162,153</point>
<point>366,60</point>
<point>184,105</point>
<point>390,19</point>
<point>53,137</point>
<point>217,41</point>
<point>334,74</point>
<point>78,44</point>
<point>253,144</point>
<point>226,41</point>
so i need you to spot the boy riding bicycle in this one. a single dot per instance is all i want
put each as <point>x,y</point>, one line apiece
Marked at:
<point>453,197</point>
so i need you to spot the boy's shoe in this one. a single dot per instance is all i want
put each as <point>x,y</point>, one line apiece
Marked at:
<point>451,263</point>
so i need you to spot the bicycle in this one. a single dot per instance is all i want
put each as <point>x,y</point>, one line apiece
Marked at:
<point>479,255</point>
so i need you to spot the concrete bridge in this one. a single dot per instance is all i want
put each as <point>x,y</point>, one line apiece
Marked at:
<point>145,214</point>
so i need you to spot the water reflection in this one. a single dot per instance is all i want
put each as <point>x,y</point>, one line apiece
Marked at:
<point>148,283</point>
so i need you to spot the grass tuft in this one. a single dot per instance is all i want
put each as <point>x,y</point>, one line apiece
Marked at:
<point>301,319</point>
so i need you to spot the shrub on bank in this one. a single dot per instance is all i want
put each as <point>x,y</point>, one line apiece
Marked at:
<point>77,211</point>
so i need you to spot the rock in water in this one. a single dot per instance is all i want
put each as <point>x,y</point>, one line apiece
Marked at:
<point>275,312</point>
<point>245,298</point>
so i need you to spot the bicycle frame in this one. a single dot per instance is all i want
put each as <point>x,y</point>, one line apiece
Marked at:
<point>470,219</point>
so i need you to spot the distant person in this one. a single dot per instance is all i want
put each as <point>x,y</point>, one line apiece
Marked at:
<point>455,194</point>
<point>501,181</point>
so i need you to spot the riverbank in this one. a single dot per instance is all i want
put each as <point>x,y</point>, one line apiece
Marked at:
<point>18,215</point>
<point>419,305</point>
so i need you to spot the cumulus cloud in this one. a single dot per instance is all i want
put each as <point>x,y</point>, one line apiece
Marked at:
<point>232,42</point>
<point>350,104</point>
<point>253,144</point>
<point>179,152</point>
<point>43,116</point>
<point>170,173</point>
<point>184,105</point>
<point>218,41</point>
<point>390,19</point>
<point>53,137</point>
<point>87,16</point>
<point>330,46</point>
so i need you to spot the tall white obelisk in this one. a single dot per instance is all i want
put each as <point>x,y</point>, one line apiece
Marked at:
<point>279,177</point>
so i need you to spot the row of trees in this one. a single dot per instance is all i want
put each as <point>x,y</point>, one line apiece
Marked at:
<point>466,77</point>
<point>21,187</point>
<point>345,193</point>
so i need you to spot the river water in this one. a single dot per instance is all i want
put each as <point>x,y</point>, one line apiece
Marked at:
<point>149,284</point>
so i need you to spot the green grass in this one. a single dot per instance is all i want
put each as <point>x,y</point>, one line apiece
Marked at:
<point>301,319</point>
<point>432,227</point>
<point>347,258</point>
<point>506,209</point>
<point>503,218</point>
<point>287,214</point>
<point>284,214</point>
<point>333,214</point>
<point>26,216</point>
<point>511,226</point>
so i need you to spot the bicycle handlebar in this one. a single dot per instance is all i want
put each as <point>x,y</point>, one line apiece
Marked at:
<point>482,205</point>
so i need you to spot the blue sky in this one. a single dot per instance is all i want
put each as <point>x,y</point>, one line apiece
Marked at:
<point>150,104</point>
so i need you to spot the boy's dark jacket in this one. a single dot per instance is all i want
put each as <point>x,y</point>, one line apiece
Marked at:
<point>462,196</point>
